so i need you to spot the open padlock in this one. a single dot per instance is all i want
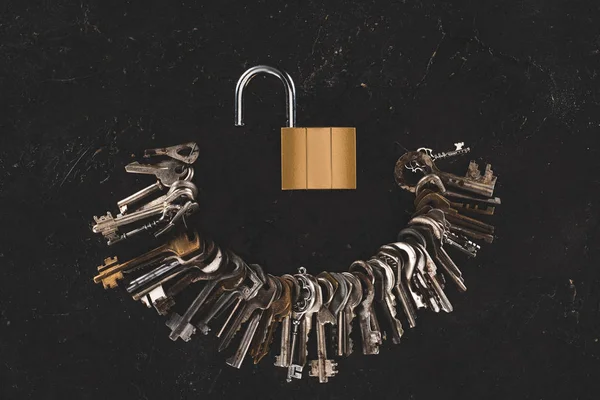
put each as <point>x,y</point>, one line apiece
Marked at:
<point>311,158</point>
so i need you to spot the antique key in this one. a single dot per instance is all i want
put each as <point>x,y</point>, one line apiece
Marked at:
<point>311,158</point>
<point>111,271</point>
<point>384,283</point>
<point>187,153</point>
<point>371,336</point>
<point>347,315</point>
<point>283,359</point>
<point>337,304</point>
<point>473,182</point>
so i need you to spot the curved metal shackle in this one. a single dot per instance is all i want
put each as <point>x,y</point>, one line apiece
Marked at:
<point>288,84</point>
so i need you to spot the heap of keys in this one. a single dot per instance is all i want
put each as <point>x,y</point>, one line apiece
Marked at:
<point>202,288</point>
<point>141,211</point>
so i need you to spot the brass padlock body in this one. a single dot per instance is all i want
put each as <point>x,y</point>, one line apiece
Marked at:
<point>318,158</point>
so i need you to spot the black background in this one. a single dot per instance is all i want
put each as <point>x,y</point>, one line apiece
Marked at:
<point>85,84</point>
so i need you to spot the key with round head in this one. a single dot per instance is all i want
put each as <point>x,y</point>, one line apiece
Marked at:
<point>341,293</point>
<point>371,336</point>
<point>323,368</point>
<point>283,358</point>
<point>347,314</point>
<point>187,153</point>
<point>385,283</point>
<point>273,288</point>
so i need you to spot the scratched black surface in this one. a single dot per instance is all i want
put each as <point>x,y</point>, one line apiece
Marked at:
<point>85,84</point>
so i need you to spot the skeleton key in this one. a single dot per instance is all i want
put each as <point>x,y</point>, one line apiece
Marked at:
<point>181,326</point>
<point>167,173</point>
<point>272,290</point>
<point>186,152</point>
<point>402,258</point>
<point>473,182</point>
<point>371,337</point>
<point>111,271</point>
<point>306,302</point>
<point>347,315</point>
<point>323,368</point>
<point>260,301</point>
<point>385,282</point>
<point>436,181</point>
<point>279,310</point>
<point>255,278</point>
<point>307,321</point>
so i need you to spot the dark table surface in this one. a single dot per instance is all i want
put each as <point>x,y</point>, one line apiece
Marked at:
<point>86,84</point>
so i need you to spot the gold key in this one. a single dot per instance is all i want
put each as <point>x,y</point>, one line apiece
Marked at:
<point>111,271</point>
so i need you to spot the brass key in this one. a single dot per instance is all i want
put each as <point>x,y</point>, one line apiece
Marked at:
<point>111,271</point>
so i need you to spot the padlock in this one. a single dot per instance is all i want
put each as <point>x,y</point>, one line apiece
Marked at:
<point>311,158</point>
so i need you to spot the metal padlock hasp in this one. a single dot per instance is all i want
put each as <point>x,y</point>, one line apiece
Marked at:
<point>311,158</point>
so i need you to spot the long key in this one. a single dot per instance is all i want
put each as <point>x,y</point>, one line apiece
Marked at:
<point>306,326</point>
<point>181,326</point>
<point>274,288</point>
<point>385,275</point>
<point>111,271</point>
<point>347,315</point>
<point>279,309</point>
<point>430,270</point>
<point>284,356</point>
<point>261,300</point>
<point>322,367</point>
<point>336,306</point>
<point>371,338</point>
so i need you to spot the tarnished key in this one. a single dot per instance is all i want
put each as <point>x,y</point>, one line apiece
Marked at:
<point>111,271</point>
<point>272,288</point>
<point>347,315</point>
<point>181,326</point>
<point>430,273</point>
<point>336,306</point>
<point>185,152</point>
<point>255,278</point>
<point>385,283</point>
<point>167,173</point>
<point>437,201</point>
<point>473,182</point>
<point>260,301</point>
<point>278,310</point>
<point>437,182</point>
<point>371,337</point>
<point>402,259</point>
<point>322,367</point>
<point>284,357</point>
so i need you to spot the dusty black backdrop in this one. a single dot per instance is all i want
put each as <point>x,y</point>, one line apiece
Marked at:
<point>84,84</point>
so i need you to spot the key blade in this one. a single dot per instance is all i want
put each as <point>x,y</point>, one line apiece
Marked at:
<point>185,152</point>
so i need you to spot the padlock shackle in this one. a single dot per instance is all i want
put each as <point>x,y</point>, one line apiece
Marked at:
<point>288,84</point>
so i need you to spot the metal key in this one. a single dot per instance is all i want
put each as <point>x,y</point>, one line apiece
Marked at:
<point>371,337</point>
<point>181,326</point>
<point>306,327</point>
<point>167,173</point>
<point>298,297</point>
<point>186,152</point>
<point>430,270</point>
<point>322,367</point>
<point>278,310</point>
<point>341,294</point>
<point>273,288</point>
<point>111,271</point>
<point>385,282</point>
<point>347,315</point>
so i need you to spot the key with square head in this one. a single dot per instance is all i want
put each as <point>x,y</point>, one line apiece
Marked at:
<point>348,313</point>
<point>111,271</point>
<point>402,259</point>
<point>384,284</point>
<point>306,302</point>
<point>262,300</point>
<point>279,309</point>
<point>322,367</point>
<point>167,172</point>
<point>273,288</point>
<point>181,326</point>
<point>254,279</point>
<point>187,153</point>
<point>283,358</point>
<point>371,337</point>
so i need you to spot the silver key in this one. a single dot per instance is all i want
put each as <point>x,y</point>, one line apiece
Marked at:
<point>322,367</point>
<point>347,315</point>
<point>167,173</point>
<point>384,284</point>
<point>371,336</point>
<point>186,152</point>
